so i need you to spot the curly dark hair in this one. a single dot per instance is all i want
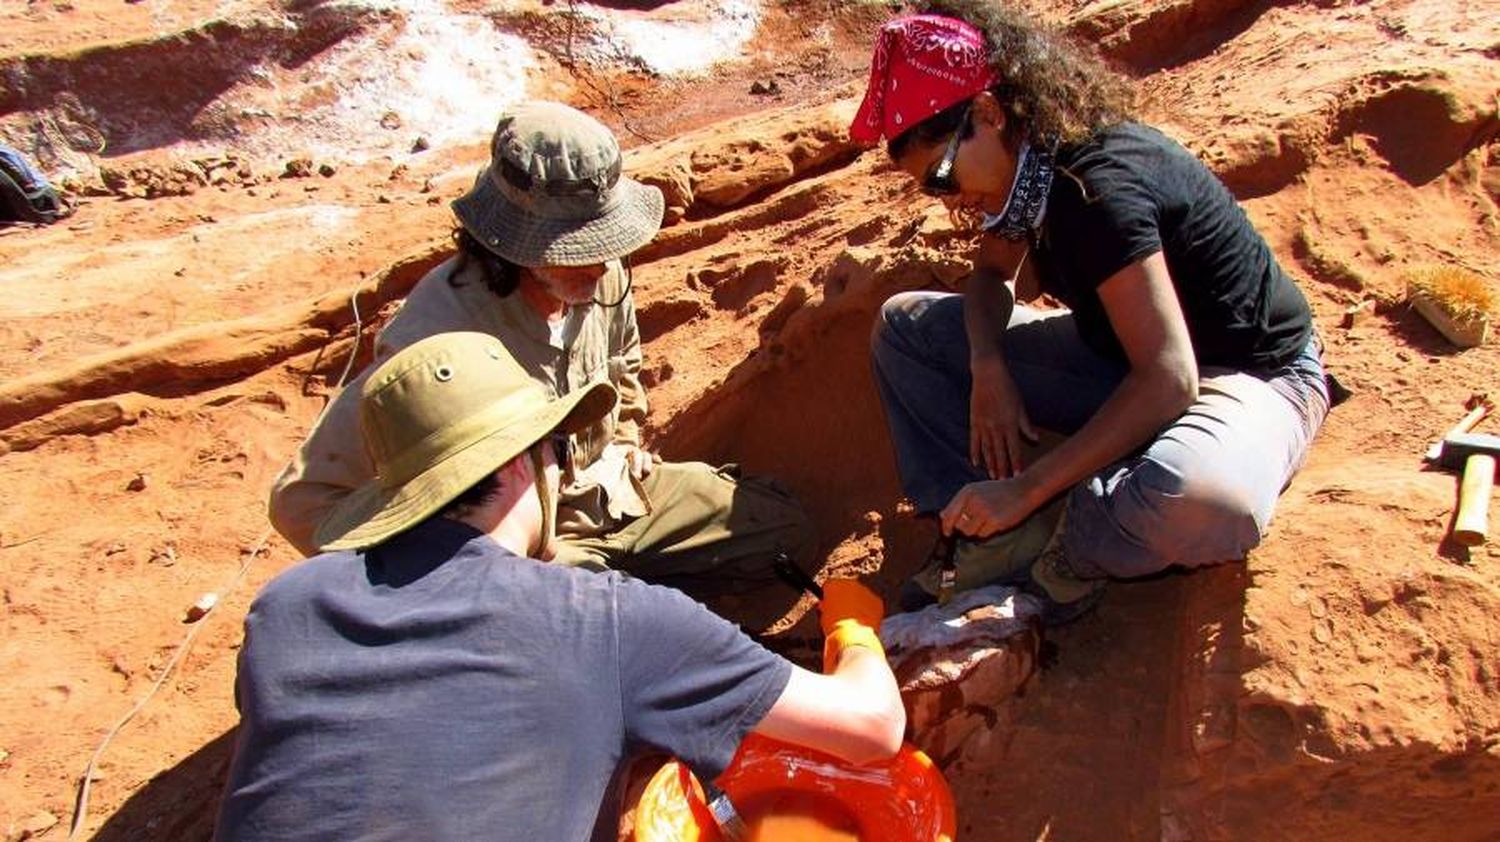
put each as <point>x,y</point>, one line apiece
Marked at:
<point>500,275</point>
<point>1053,89</point>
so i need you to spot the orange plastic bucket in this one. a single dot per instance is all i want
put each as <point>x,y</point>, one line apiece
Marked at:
<point>785,793</point>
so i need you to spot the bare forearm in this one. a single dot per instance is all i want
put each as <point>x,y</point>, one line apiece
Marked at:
<point>987,307</point>
<point>854,713</point>
<point>1138,409</point>
<point>1162,382</point>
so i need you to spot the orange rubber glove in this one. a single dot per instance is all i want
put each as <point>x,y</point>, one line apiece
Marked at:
<point>850,615</point>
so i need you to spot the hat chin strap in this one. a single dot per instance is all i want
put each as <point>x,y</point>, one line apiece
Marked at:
<point>544,495</point>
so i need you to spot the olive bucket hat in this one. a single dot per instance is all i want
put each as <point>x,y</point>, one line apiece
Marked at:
<point>436,418</point>
<point>553,193</point>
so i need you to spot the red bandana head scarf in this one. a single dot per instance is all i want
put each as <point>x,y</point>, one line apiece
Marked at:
<point>922,65</point>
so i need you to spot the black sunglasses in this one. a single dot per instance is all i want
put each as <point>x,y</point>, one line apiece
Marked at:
<point>940,180</point>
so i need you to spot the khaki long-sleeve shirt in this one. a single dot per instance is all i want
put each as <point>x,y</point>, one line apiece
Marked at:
<point>596,343</point>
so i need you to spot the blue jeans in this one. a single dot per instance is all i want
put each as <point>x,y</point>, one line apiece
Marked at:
<point>1201,492</point>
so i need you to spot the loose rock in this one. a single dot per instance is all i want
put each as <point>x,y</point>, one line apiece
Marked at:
<point>298,168</point>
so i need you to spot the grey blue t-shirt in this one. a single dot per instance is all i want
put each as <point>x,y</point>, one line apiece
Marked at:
<point>439,687</point>
<point>1132,191</point>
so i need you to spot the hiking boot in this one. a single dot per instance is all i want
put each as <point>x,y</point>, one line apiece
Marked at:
<point>1003,558</point>
<point>1064,595</point>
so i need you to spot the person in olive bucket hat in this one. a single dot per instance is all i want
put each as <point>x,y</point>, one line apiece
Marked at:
<point>426,679</point>
<point>542,241</point>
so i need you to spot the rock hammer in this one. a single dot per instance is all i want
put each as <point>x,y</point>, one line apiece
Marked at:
<point>1479,405</point>
<point>1476,455</point>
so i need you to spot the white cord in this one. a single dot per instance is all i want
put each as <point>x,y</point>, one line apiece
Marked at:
<point>81,808</point>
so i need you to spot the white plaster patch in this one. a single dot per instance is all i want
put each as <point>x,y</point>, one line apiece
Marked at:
<point>672,40</point>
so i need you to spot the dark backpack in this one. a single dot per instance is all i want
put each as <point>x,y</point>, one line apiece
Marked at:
<point>25,194</point>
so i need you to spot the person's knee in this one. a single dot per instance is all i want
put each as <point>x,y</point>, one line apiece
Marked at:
<point>1157,519</point>
<point>1212,520</point>
<point>798,535</point>
<point>894,323</point>
<point>788,526</point>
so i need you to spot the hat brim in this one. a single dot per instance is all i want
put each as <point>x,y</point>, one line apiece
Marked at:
<point>374,513</point>
<point>529,240</point>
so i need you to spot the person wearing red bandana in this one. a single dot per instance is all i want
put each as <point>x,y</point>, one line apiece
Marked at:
<point>1184,372</point>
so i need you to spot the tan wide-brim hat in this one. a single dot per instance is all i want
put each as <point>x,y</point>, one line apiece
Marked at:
<point>438,417</point>
<point>553,193</point>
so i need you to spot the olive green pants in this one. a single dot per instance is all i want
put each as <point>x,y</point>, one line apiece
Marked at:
<point>710,535</point>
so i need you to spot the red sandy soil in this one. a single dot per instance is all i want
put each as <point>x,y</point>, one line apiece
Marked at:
<point>163,354</point>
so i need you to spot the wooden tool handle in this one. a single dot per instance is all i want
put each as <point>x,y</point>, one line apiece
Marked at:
<point>1472,521</point>
<point>1472,419</point>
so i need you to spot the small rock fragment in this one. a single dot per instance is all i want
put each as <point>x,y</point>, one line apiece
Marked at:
<point>1318,608</point>
<point>1357,313</point>
<point>421,144</point>
<point>326,170</point>
<point>137,484</point>
<point>199,609</point>
<point>298,168</point>
<point>390,120</point>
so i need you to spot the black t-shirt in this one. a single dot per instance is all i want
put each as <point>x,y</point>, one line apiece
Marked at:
<point>1146,193</point>
<point>439,687</point>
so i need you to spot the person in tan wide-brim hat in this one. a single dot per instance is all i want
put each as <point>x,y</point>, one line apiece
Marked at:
<point>544,238</point>
<point>439,417</point>
<point>430,677</point>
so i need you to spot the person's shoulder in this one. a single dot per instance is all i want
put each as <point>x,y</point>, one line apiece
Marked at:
<point>438,278</point>
<point>434,305</point>
<point>305,579</point>
<point>1113,146</point>
<point>667,614</point>
<point>577,586</point>
<point>615,281</point>
<point>1144,145</point>
<point>1121,160</point>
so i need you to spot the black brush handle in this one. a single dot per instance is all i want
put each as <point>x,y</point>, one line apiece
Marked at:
<point>795,576</point>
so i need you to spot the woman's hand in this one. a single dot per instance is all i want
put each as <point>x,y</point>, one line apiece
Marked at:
<point>997,421</point>
<point>980,509</point>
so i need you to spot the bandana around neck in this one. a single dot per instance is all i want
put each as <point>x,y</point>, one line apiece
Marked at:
<point>922,65</point>
<point>1027,202</point>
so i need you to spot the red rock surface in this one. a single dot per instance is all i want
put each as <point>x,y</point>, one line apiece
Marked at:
<point>178,335</point>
